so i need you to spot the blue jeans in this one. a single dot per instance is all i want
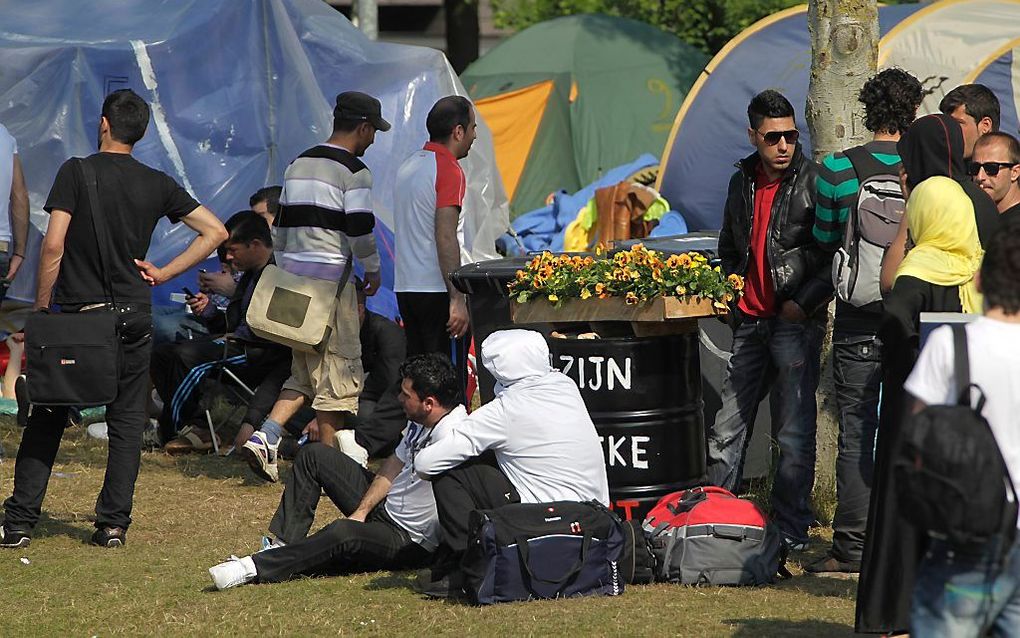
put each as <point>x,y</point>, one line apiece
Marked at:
<point>857,372</point>
<point>957,595</point>
<point>784,358</point>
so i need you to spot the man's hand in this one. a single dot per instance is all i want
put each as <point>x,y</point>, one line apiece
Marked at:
<point>198,303</point>
<point>221,283</point>
<point>373,280</point>
<point>457,324</point>
<point>312,430</point>
<point>792,312</point>
<point>15,265</point>
<point>152,274</point>
<point>358,516</point>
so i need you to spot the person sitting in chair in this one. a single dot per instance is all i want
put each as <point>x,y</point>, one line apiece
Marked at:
<point>177,369</point>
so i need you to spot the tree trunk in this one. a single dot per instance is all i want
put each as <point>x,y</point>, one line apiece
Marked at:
<point>844,53</point>
<point>462,32</point>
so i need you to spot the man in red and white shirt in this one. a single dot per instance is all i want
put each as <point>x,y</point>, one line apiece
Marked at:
<point>428,199</point>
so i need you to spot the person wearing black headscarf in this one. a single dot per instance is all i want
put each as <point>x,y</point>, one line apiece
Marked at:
<point>932,146</point>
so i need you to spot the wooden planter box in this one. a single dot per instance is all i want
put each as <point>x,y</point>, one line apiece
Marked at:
<point>676,314</point>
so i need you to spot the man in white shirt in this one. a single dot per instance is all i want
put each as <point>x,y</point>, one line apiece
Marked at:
<point>427,202</point>
<point>957,594</point>
<point>533,443</point>
<point>390,519</point>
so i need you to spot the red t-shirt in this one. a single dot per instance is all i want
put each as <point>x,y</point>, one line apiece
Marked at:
<point>759,298</point>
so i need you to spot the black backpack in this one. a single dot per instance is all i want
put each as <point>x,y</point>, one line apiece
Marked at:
<point>951,479</point>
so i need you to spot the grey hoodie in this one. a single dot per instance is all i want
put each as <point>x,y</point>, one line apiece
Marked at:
<point>537,425</point>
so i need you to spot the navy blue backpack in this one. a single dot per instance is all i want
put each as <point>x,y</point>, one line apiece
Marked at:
<point>545,550</point>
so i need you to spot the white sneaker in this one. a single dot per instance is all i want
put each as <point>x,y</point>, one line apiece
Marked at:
<point>98,430</point>
<point>234,572</point>
<point>261,456</point>
<point>349,446</point>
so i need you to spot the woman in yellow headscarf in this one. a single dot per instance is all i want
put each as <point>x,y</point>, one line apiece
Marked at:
<point>946,251</point>
<point>936,275</point>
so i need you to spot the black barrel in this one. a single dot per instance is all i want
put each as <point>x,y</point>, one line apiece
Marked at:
<point>644,396</point>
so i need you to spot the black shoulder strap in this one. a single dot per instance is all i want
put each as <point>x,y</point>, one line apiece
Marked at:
<point>98,223</point>
<point>961,363</point>
<point>864,163</point>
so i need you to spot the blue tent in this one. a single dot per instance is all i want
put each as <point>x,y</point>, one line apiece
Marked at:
<point>237,88</point>
<point>944,44</point>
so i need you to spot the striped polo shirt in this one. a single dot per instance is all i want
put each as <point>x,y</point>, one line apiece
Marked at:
<point>428,180</point>
<point>325,214</point>
<point>837,191</point>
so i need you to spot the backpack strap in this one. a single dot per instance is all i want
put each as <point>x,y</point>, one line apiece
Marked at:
<point>961,368</point>
<point>864,163</point>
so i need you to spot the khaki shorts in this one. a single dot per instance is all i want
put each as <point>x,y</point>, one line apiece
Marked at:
<point>333,378</point>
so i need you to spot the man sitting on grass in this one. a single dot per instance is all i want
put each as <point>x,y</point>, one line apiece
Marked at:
<point>390,520</point>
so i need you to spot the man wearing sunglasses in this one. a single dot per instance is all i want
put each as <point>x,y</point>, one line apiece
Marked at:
<point>995,168</point>
<point>779,322</point>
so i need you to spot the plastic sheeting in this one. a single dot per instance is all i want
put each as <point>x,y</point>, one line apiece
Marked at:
<point>238,88</point>
<point>542,229</point>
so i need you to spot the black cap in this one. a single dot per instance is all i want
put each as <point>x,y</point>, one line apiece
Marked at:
<point>354,105</point>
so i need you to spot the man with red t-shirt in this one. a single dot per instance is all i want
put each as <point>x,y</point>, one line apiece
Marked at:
<point>428,198</point>
<point>779,321</point>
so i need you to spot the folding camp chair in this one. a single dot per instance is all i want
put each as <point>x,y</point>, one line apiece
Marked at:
<point>221,379</point>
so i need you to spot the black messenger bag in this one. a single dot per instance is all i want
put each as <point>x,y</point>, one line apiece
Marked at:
<point>72,358</point>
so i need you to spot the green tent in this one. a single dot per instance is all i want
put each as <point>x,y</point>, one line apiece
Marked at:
<point>570,98</point>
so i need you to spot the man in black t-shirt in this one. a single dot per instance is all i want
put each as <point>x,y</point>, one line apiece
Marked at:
<point>132,197</point>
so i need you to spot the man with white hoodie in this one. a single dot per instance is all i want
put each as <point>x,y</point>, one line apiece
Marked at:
<point>533,443</point>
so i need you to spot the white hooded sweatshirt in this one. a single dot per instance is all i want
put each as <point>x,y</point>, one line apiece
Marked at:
<point>537,425</point>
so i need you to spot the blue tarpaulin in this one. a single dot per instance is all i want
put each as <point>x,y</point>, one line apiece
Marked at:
<point>542,229</point>
<point>238,88</point>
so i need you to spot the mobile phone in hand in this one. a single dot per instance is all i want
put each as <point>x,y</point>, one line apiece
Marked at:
<point>187,293</point>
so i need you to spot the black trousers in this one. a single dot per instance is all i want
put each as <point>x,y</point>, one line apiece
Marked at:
<point>857,371</point>
<point>178,370</point>
<point>379,432</point>
<point>425,315</point>
<point>476,484</point>
<point>344,545</point>
<point>126,419</point>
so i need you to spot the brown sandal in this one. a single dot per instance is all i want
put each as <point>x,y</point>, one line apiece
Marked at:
<point>190,439</point>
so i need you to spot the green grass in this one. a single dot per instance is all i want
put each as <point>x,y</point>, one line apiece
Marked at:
<point>192,512</point>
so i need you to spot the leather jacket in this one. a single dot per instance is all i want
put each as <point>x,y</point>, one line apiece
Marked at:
<point>800,268</point>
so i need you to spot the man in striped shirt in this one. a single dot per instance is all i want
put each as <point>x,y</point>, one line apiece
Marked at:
<point>325,221</point>
<point>890,103</point>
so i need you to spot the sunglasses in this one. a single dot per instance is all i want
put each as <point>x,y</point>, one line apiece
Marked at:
<point>772,137</point>
<point>991,168</point>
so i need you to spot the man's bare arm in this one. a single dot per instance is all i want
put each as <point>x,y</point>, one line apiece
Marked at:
<point>19,218</point>
<point>211,234</point>
<point>378,489</point>
<point>448,252</point>
<point>50,256</point>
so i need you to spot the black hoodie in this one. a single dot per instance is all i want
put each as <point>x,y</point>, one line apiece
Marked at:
<point>933,145</point>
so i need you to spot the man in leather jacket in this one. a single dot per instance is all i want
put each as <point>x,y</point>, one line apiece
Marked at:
<point>779,321</point>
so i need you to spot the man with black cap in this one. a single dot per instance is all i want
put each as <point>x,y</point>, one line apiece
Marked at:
<point>325,221</point>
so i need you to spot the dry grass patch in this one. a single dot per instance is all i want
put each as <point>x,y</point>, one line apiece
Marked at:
<point>191,512</point>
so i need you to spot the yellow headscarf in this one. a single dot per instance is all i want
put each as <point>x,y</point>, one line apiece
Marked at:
<point>946,252</point>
